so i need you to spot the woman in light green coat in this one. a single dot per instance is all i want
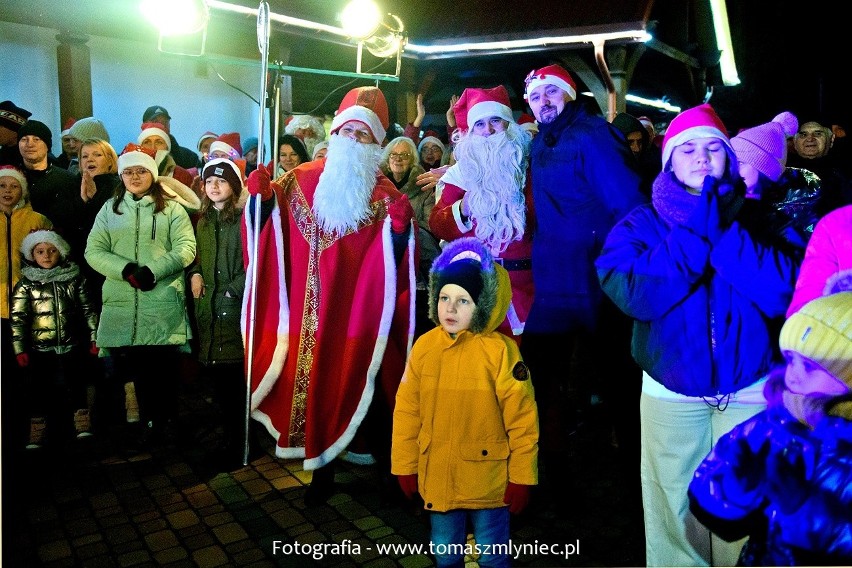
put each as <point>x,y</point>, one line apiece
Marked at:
<point>141,242</point>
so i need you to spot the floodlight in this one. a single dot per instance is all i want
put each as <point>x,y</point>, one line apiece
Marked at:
<point>361,18</point>
<point>176,17</point>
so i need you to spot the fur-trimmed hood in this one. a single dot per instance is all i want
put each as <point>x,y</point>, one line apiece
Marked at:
<point>496,292</point>
<point>179,192</point>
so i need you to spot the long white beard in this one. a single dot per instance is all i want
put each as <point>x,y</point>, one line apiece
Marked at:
<point>342,198</point>
<point>494,170</point>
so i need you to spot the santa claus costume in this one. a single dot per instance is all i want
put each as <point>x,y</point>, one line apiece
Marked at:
<point>487,193</point>
<point>333,321</point>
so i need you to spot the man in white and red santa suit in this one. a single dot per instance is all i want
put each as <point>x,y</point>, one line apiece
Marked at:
<point>487,192</point>
<point>334,310</point>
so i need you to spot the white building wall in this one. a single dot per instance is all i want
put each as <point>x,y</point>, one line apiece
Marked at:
<point>127,78</point>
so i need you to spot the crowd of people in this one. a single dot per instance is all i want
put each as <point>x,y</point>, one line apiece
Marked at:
<point>448,307</point>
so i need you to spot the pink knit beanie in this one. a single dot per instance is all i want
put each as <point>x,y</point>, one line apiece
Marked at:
<point>765,146</point>
<point>696,122</point>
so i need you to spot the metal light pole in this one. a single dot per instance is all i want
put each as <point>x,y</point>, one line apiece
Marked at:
<point>263,46</point>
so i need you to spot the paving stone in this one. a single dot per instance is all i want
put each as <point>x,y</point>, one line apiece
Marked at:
<point>210,556</point>
<point>231,532</point>
<point>161,540</point>
<point>182,519</point>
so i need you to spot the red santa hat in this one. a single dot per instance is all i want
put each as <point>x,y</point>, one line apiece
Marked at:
<point>696,122</point>
<point>206,136</point>
<point>154,129</point>
<point>551,75</point>
<point>765,146</point>
<point>476,104</point>
<point>135,155</point>
<point>67,128</point>
<point>528,123</point>
<point>228,142</point>
<point>367,105</point>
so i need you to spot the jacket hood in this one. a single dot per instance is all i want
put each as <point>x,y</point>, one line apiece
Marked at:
<point>179,192</point>
<point>496,294</point>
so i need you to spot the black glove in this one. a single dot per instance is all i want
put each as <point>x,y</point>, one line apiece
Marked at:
<point>128,270</point>
<point>787,478</point>
<point>748,465</point>
<point>706,220</point>
<point>731,198</point>
<point>142,279</point>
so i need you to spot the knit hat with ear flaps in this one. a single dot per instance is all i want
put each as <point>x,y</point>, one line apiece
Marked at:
<point>765,146</point>
<point>44,236</point>
<point>367,105</point>
<point>491,290</point>
<point>89,127</point>
<point>154,129</point>
<point>476,104</point>
<point>697,122</point>
<point>822,331</point>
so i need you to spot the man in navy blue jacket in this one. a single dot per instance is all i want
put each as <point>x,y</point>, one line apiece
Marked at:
<point>576,342</point>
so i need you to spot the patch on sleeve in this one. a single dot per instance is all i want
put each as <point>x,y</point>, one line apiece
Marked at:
<point>521,372</point>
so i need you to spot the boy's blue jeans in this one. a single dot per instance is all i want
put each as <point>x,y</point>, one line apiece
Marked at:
<point>490,527</point>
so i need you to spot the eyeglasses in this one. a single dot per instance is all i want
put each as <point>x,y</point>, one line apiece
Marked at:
<point>431,150</point>
<point>134,172</point>
<point>404,156</point>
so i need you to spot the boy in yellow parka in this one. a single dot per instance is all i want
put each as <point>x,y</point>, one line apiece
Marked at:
<point>465,425</point>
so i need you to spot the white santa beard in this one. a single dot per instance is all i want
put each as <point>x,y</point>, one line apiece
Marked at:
<point>342,197</point>
<point>494,173</point>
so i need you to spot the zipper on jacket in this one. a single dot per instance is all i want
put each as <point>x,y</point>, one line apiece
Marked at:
<point>153,226</point>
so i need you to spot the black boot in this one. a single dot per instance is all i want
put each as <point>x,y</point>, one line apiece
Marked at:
<point>321,487</point>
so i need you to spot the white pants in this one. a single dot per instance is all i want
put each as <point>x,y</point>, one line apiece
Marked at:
<point>677,434</point>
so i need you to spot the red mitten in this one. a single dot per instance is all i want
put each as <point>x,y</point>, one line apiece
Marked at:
<point>408,484</point>
<point>23,359</point>
<point>517,497</point>
<point>260,183</point>
<point>401,214</point>
<point>93,349</point>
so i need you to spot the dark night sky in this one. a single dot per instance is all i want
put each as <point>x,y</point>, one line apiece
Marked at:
<point>791,55</point>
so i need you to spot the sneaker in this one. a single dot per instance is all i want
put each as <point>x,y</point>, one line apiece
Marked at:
<point>37,431</point>
<point>130,403</point>
<point>83,423</point>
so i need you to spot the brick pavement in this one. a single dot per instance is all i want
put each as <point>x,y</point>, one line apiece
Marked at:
<point>91,504</point>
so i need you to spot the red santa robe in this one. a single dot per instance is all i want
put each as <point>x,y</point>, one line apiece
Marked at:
<point>334,319</point>
<point>446,223</point>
